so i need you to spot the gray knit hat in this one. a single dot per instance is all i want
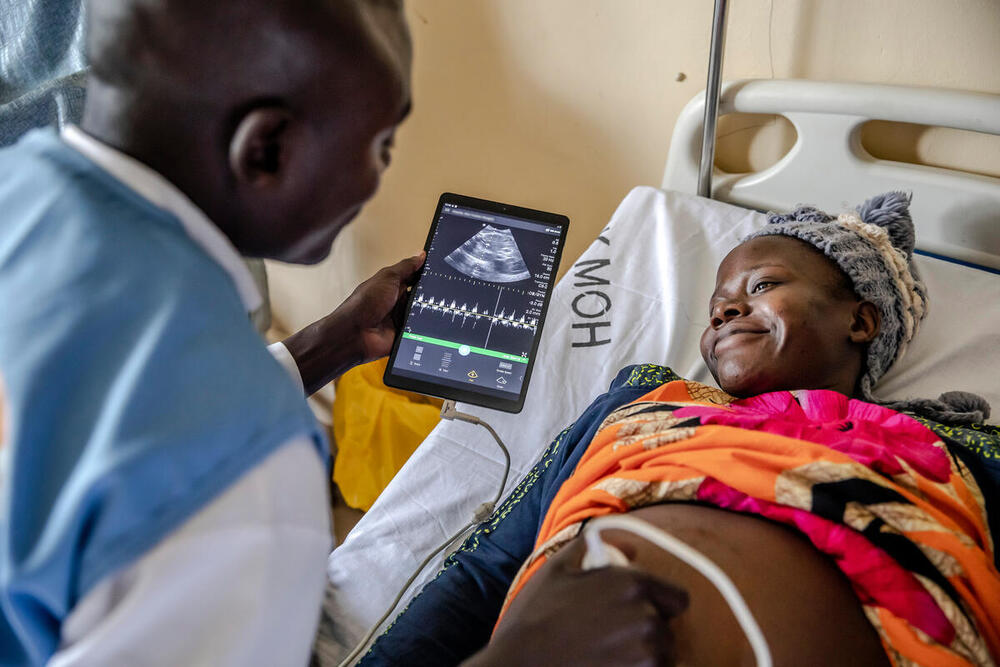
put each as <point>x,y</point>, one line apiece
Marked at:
<point>873,246</point>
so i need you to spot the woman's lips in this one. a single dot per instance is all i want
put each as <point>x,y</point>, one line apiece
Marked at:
<point>736,337</point>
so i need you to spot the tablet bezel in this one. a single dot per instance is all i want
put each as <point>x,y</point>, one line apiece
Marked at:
<point>431,388</point>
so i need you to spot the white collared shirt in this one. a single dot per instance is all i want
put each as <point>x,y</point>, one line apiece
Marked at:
<point>241,581</point>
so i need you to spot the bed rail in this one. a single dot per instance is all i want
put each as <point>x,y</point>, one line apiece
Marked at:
<point>957,214</point>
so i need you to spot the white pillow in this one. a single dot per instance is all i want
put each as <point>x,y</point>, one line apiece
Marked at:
<point>956,348</point>
<point>958,344</point>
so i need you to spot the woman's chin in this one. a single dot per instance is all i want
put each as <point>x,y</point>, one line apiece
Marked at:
<point>739,391</point>
<point>745,385</point>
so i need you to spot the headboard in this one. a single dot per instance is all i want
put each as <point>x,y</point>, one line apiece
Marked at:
<point>957,214</point>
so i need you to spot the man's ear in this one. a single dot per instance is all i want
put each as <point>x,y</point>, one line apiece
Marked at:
<point>866,322</point>
<point>261,146</point>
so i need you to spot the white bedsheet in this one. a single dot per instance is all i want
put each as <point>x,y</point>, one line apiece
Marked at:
<point>638,294</point>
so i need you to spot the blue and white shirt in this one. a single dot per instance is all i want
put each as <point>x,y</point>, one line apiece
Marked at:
<point>163,493</point>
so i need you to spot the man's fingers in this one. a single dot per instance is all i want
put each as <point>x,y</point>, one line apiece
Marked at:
<point>417,261</point>
<point>405,270</point>
<point>398,311</point>
<point>574,556</point>
<point>668,599</point>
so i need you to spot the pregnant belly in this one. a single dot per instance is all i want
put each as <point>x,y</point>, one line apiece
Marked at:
<point>802,602</point>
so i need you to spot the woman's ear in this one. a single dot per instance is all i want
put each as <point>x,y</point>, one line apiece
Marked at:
<point>261,147</point>
<point>866,322</point>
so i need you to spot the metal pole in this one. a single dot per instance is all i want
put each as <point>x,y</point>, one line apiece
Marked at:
<point>712,99</point>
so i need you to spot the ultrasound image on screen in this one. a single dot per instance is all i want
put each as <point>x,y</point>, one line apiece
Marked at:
<point>491,255</point>
<point>477,307</point>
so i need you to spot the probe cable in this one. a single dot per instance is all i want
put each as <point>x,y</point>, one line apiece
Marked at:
<point>482,513</point>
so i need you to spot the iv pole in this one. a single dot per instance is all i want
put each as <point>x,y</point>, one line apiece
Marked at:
<point>712,99</point>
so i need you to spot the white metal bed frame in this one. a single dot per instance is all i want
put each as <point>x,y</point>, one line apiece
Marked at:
<point>957,215</point>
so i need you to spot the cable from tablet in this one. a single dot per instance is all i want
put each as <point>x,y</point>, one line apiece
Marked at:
<point>483,512</point>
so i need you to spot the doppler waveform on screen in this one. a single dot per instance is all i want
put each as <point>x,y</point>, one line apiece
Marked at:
<point>445,307</point>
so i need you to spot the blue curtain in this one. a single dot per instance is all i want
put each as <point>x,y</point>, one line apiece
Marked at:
<point>42,66</point>
<point>43,75</point>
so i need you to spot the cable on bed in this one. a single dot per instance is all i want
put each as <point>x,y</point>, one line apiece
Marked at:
<point>483,512</point>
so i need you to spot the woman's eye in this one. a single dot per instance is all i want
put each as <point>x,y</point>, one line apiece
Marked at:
<point>763,284</point>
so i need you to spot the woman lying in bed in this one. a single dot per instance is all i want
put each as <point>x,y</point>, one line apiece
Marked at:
<point>856,533</point>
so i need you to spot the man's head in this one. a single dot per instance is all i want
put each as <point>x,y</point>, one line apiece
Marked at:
<point>784,317</point>
<point>819,302</point>
<point>276,117</point>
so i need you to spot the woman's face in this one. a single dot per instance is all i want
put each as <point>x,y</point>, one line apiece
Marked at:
<point>783,317</point>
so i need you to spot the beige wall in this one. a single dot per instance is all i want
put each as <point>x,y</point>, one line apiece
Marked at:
<point>565,105</point>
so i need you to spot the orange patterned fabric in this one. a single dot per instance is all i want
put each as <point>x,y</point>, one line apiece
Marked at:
<point>871,487</point>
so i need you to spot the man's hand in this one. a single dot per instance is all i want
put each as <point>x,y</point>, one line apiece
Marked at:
<point>361,329</point>
<point>565,616</point>
<point>376,306</point>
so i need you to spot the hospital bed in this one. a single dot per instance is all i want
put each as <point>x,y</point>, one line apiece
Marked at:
<point>639,293</point>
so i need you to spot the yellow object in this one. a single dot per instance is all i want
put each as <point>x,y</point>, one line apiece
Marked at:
<point>376,428</point>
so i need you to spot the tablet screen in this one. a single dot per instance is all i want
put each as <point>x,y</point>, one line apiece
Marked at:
<point>476,312</point>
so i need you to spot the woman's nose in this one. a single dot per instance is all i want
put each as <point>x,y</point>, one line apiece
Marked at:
<point>723,311</point>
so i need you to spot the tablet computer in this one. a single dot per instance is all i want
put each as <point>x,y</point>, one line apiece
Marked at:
<point>474,317</point>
